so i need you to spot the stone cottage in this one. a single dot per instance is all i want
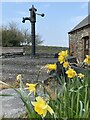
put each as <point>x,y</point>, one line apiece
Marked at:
<point>79,39</point>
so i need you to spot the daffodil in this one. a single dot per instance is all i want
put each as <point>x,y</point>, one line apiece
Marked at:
<point>41,107</point>
<point>87,59</point>
<point>80,75</point>
<point>61,59</point>
<point>65,64</point>
<point>19,77</point>
<point>71,73</point>
<point>63,53</point>
<point>51,66</point>
<point>31,87</point>
<point>62,56</point>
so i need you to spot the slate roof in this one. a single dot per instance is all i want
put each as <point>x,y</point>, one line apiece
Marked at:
<point>83,23</point>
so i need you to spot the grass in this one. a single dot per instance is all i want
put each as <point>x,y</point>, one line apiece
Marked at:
<point>45,49</point>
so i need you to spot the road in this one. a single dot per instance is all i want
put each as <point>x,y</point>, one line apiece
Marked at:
<point>26,66</point>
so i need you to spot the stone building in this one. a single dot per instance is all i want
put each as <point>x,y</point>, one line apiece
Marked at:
<point>79,39</point>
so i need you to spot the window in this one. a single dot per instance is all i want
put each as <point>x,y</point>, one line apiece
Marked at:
<point>86,45</point>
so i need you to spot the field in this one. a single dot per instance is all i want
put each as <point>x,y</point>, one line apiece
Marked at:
<point>45,50</point>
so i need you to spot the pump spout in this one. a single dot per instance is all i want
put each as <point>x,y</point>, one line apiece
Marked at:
<point>24,19</point>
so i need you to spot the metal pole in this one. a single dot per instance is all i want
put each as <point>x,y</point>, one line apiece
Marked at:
<point>33,20</point>
<point>33,38</point>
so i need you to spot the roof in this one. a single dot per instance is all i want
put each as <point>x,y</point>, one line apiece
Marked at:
<point>83,23</point>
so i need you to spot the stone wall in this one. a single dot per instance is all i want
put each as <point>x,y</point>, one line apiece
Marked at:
<point>7,51</point>
<point>77,42</point>
<point>12,49</point>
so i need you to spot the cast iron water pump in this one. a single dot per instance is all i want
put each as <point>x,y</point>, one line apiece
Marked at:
<point>32,19</point>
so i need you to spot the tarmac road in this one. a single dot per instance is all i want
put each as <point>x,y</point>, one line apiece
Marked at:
<point>26,66</point>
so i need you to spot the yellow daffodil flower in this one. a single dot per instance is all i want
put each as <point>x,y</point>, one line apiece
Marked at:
<point>63,53</point>
<point>80,75</point>
<point>19,77</point>
<point>31,87</point>
<point>41,107</point>
<point>87,59</point>
<point>51,66</point>
<point>65,64</point>
<point>61,59</point>
<point>71,73</point>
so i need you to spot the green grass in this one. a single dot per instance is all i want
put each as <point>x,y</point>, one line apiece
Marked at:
<point>45,49</point>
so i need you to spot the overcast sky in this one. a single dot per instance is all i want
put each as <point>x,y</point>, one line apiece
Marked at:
<point>60,18</point>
